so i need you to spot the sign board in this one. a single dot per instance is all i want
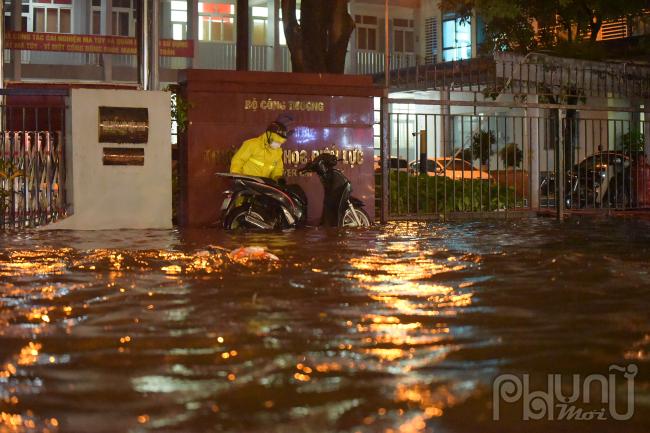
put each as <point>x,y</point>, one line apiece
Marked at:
<point>123,156</point>
<point>123,125</point>
<point>331,113</point>
<point>121,186</point>
<point>91,44</point>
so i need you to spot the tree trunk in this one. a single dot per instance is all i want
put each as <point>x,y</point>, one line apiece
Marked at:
<point>243,39</point>
<point>319,42</point>
<point>341,29</point>
<point>293,34</point>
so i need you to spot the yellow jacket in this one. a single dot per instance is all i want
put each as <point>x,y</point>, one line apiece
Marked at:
<point>256,158</point>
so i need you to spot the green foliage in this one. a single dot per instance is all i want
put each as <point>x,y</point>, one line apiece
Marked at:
<point>179,108</point>
<point>481,146</point>
<point>421,194</point>
<point>511,155</point>
<point>633,141</point>
<point>510,24</point>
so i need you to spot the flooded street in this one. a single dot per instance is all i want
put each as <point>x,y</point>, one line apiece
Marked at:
<point>401,328</point>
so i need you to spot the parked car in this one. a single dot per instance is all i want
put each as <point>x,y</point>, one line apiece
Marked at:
<point>453,168</point>
<point>395,163</point>
<point>604,179</point>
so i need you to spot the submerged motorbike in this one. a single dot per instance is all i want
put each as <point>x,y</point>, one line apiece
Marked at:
<point>261,203</point>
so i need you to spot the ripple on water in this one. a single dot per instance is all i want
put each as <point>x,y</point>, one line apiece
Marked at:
<point>399,328</point>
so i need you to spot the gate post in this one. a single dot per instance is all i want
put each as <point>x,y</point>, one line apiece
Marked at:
<point>384,159</point>
<point>532,133</point>
<point>646,128</point>
<point>560,173</point>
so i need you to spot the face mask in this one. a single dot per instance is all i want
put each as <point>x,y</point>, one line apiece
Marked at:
<point>275,145</point>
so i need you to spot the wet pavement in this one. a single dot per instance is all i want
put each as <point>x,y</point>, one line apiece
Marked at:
<point>401,328</point>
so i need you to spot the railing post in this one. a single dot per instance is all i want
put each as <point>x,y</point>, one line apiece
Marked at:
<point>532,138</point>
<point>560,172</point>
<point>423,152</point>
<point>646,129</point>
<point>384,158</point>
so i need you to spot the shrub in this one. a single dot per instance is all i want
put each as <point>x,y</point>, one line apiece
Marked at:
<point>511,155</point>
<point>482,142</point>
<point>633,141</point>
<point>421,194</point>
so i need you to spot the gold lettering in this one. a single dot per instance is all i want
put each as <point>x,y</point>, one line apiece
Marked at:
<point>286,156</point>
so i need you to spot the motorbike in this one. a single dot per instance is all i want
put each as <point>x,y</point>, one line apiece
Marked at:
<point>260,203</point>
<point>604,179</point>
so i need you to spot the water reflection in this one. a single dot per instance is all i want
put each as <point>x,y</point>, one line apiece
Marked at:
<point>394,329</point>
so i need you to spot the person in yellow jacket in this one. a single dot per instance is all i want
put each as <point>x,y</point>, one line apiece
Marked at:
<point>262,156</point>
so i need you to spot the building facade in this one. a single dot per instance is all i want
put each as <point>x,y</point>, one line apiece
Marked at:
<point>419,33</point>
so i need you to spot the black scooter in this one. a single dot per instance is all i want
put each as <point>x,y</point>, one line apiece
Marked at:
<point>261,203</point>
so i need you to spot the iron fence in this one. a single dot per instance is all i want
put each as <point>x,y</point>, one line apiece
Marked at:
<point>32,165</point>
<point>446,157</point>
<point>555,80</point>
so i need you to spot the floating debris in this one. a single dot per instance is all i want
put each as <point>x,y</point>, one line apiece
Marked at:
<point>247,254</point>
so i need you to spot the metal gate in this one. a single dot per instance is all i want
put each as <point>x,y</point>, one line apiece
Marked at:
<point>520,149</point>
<point>461,157</point>
<point>32,157</point>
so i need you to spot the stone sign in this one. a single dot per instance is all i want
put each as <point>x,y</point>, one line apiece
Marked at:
<point>331,113</point>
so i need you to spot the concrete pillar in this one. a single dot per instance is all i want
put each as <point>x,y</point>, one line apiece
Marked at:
<point>352,47</point>
<point>165,14</point>
<point>243,35</point>
<point>274,59</point>
<point>148,52</point>
<point>193,30</point>
<point>2,47</point>
<point>80,13</point>
<point>384,153</point>
<point>106,29</point>
<point>17,26</point>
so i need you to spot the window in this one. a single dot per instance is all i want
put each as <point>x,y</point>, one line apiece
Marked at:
<point>431,40</point>
<point>123,20</point>
<point>179,20</point>
<point>403,36</point>
<point>53,18</point>
<point>366,32</point>
<point>216,22</point>
<point>456,39</point>
<point>260,20</point>
<point>24,15</point>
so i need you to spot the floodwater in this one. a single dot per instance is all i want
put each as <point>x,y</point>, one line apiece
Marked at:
<point>402,328</point>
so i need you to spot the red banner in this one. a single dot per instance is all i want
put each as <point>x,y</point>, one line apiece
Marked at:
<point>174,48</point>
<point>91,44</point>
